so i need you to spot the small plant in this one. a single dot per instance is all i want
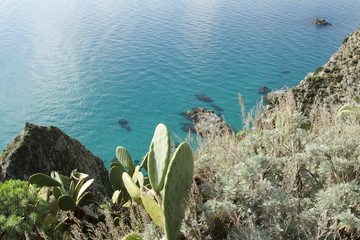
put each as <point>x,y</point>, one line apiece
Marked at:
<point>319,69</point>
<point>70,192</point>
<point>348,110</point>
<point>22,212</point>
<point>314,78</point>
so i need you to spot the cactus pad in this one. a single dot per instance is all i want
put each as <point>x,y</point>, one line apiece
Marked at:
<point>85,199</point>
<point>115,178</point>
<point>152,206</point>
<point>131,187</point>
<point>159,157</point>
<point>43,180</point>
<point>66,203</point>
<point>177,184</point>
<point>124,158</point>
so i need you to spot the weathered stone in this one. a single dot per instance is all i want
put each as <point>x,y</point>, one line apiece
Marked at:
<point>45,149</point>
<point>208,123</point>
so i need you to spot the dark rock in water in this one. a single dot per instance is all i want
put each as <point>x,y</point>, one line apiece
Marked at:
<point>284,72</point>
<point>321,22</point>
<point>186,116</point>
<point>123,122</point>
<point>216,107</point>
<point>136,162</point>
<point>176,144</point>
<point>40,149</point>
<point>207,123</point>
<point>203,98</point>
<point>188,127</point>
<point>114,160</point>
<point>127,128</point>
<point>264,90</point>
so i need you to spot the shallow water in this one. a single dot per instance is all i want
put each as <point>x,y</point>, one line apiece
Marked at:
<point>84,65</point>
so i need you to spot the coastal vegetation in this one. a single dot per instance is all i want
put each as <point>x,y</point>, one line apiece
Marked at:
<point>299,180</point>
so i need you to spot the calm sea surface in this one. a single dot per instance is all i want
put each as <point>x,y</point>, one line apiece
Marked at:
<point>83,65</point>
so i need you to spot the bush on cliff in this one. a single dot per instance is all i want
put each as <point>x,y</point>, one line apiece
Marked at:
<point>22,212</point>
<point>290,182</point>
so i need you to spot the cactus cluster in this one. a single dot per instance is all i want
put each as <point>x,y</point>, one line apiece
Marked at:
<point>69,192</point>
<point>163,193</point>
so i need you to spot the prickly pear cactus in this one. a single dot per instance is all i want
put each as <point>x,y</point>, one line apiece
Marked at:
<point>152,204</point>
<point>115,178</point>
<point>159,157</point>
<point>124,158</point>
<point>131,187</point>
<point>177,185</point>
<point>43,180</point>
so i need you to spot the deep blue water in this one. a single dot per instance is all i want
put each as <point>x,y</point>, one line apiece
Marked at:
<point>83,65</point>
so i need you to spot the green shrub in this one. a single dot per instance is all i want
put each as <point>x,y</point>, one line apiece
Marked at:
<point>319,69</point>
<point>22,212</point>
<point>289,182</point>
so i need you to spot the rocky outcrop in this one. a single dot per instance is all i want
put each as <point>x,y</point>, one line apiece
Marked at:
<point>46,149</point>
<point>329,87</point>
<point>321,21</point>
<point>207,123</point>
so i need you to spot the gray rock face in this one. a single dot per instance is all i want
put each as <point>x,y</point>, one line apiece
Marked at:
<point>45,149</point>
<point>208,123</point>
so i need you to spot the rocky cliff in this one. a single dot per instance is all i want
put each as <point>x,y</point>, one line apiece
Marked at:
<point>46,149</point>
<point>328,87</point>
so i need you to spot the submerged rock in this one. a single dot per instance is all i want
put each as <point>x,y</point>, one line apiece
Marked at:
<point>203,98</point>
<point>264,90</point>
<point>321,21</point>
<point>284,72</point>
<point>208,123</point>
<point>40,149</point>
<point>124,124</point>
<point>216,107</point>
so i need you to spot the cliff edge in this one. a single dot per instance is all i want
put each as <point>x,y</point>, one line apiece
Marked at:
<point>329,87</point>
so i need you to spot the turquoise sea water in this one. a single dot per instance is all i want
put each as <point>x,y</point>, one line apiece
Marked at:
<point>83,65</point>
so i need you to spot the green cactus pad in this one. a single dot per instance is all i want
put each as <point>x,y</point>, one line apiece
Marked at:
<point>83,188</point>
<point>144,161</point>
<point>141,179</point>
<point>57,192</point>
<point>115,199</point>
<point>152,206</point>
<point>115,176</point>
<point>132,236</point>
<point>124,158</point>
<point>77,188</point>
<point>43,180</point>
<point>78,175</point>
<point>66,203</point>
<point>131,187</point>
<point>85,199</point>
<point>135,176</point>
<point>119,165</point>
<point>177,184</point>
<point>159,157</point>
